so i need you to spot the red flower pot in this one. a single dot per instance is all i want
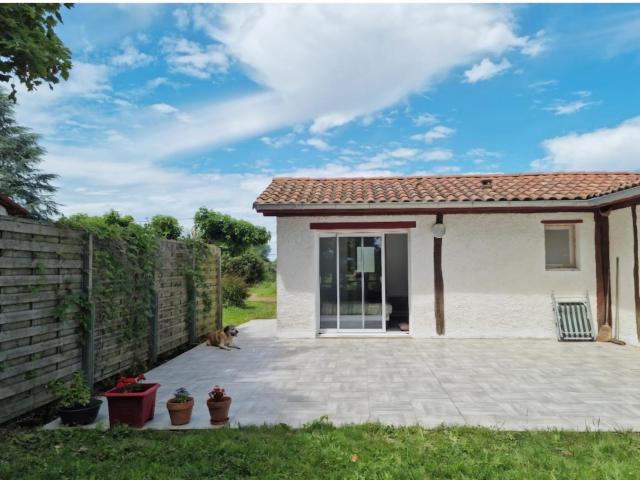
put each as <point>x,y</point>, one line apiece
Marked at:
<point>219,411</point>
<point>132,408</point>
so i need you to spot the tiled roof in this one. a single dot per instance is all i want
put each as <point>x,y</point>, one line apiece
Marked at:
<point>484,188</point>
<point>12,207</point>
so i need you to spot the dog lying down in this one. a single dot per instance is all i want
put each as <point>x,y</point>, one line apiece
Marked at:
<point>223,338</point>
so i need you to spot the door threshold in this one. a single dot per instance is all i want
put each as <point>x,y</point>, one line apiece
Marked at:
<point>365,335</point>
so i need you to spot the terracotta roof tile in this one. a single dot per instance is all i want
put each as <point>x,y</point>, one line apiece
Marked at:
<point>485,188</point>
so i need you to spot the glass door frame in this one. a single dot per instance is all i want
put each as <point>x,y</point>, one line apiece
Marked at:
<point>353,331</point>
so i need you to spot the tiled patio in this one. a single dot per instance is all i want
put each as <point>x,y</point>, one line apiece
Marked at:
<point>507,384</point>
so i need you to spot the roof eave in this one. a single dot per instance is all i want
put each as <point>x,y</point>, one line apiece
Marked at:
<point>607,200</point>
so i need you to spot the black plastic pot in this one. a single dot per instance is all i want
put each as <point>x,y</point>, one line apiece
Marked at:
<point>80,415</point>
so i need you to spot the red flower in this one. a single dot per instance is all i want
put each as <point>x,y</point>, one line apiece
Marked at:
<point>141,377</point>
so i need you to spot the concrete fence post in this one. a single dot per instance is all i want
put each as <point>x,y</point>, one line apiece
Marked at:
<point>88,350</point>
<point>154,336</point>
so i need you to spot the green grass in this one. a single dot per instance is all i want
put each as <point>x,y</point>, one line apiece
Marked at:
<point>319,451</point>
<point>261,304</point>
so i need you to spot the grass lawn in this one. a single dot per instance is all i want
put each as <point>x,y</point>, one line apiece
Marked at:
<point>261,304</point>
<point>319,451</point>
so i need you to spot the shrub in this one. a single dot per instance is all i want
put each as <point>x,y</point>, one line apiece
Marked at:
<point>248,265</point>
<point>234,290</point>
<point>165,226</point>
<point>231,234</point>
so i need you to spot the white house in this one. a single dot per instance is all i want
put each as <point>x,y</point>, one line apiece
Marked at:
<point>462,256</point>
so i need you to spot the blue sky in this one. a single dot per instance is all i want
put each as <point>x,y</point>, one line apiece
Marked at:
<point>173,107</point>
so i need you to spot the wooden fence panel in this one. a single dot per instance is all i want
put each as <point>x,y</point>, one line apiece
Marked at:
<point>40,264</point>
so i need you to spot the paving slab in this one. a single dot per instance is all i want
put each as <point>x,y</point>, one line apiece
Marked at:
<point>519,384</point>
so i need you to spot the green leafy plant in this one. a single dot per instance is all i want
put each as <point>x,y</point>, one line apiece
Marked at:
<point>234,290</point>
<point>124,260</point>
<point>249,265</point>
<point>165,226</point>
<point>30,50</point>
<point>76,393</point>
<point>231,234</point>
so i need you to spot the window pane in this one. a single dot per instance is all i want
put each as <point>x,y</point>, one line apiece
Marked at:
<point>558,247</point>
<point>328,283</point>
<point>350,283</point>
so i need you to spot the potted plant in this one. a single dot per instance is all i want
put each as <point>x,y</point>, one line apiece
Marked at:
<point>76,405</point>
<point>132,402</point>
<point>218,404</point>
<point>180,407</point>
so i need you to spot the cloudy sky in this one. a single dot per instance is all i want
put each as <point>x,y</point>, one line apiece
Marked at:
<point>173,107</point>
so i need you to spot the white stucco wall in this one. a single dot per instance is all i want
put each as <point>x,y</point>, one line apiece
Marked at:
<point>495,282</point>
<point>621,246</point>
<point>297,273</point>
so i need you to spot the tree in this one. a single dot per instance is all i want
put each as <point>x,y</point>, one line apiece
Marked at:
<point>19,156</point>
<point>166,226</point>
<point>234,236</point>
<point>30,50</point>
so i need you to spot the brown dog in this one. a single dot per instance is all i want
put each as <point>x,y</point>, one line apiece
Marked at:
<point>223,338</point>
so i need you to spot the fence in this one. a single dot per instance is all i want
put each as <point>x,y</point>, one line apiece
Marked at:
<point>44,336</point>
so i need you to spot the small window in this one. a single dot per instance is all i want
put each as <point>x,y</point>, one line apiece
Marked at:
<point>560,246</point>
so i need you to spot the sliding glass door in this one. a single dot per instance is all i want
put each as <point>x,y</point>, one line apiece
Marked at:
<point>352,283</point>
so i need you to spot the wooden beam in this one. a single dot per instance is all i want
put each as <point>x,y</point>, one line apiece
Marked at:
<point>636,268</point>
<point>438,281</point>
<point>603,281</point>
<point>362,225</point>
<point>560,222</point>
<point>328,212</point>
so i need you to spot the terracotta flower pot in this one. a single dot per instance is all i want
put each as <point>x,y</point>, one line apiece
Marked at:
<point>180,412</point>
<point>219,411</point>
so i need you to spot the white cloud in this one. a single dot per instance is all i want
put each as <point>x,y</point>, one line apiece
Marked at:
<point>163,108</point>
<point>436,133</point>
<point>45,110</point>
<point>437,155</point>
<point>143,189</point>
<point>278,142</point>
<point>447,169</point>
<point>130,56</point>
<point>182,18</point>
<point>296,54</point>
<point>195,60</point>
<point>542,85</point>
<point>615,148</point>
<point>568,108</point>
<point>317,143</point>
<point>482,153</point>
<point>425,119</point>
<point>403,152</point>
<point>485,70</point>
<point>534,46</point>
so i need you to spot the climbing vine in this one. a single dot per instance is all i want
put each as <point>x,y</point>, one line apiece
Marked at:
<point>124,265</point>
<point>196,270</point>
